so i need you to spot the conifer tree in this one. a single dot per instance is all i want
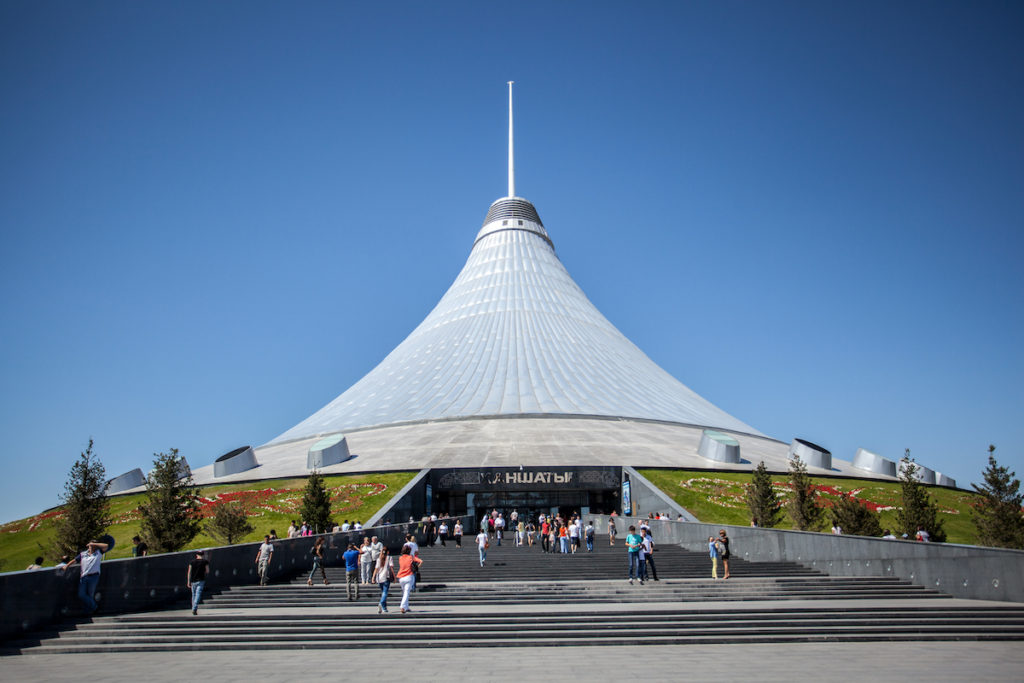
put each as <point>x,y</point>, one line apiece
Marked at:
<point>229,523</point>
<point>918,510</point>
<point>997,516</point>
<point>761,498</point>
<point>170,515</point>
<point>316,504</point>
<point>802,504</point>
<point>86,508</point>
<point>855,518</point>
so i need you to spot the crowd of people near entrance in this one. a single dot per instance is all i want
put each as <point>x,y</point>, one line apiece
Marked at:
<point>552,533</point>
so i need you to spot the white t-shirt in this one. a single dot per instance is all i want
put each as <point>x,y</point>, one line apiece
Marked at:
<point>357,526</point>
<point>90,562</point>
<point>499,523</point>
<point>574,531</point>
<point>481,539</point>
<point>443,528</point>
<point>265,550</point>
<point>414,548</point>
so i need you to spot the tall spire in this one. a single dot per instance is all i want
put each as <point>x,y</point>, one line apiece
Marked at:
<point>511,158</point>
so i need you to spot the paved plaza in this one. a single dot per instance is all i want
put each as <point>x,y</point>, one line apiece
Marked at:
<point>937,661</point>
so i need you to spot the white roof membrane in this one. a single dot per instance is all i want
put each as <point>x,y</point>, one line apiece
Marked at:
<point>513,335</point>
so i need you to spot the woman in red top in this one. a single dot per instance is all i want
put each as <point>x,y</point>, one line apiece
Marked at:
<point>407,575</point>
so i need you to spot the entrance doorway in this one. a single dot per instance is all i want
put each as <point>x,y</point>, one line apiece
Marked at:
<point>529,504</point>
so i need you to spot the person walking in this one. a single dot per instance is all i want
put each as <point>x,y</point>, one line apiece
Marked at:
<point>648,552</point>
<point>263,557</point>
<point>458,533</point>
<point>375,547</point>
<point>482,545</point>
<point>724,552</point>
<point>589,533</point>
<point>442,533</point>
<point>563,538</point>
<point>611,531</point>
<point>499,527</point>
<point>406,575</point>
<point>633,551</point>
<point>713,553</point>
<point>351,557</point>
<point>195,579</point>
<point>383,575</point>
<point>318,561</point>
<point>90,560</point>
<point>545,530</point>
<point>366,562</point>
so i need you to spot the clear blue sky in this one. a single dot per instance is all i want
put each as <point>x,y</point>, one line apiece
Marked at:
<point>218,216</point>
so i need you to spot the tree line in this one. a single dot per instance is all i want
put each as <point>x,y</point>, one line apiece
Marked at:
<point>997,514</point>
<point>171,516</point>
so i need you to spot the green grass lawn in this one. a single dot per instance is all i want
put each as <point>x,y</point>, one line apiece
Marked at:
<point>271,505</point>
<point>718,498</point>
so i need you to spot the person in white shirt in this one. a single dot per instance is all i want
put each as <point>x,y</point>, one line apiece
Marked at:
<point>442,533</point>
<point>292,531</point>
<point>837,530</point>
<point>457,532</point>
<point>345,526</point>
<point>647,554</point>
<point>481,542</point>
<point>375,547</point>
<point>358,526</point>
<point>499,527</point>
<point>90,559</point>
<point>263,557</point>
<point>574,536</point>
<point>414,547</point>
<point>366,562</point>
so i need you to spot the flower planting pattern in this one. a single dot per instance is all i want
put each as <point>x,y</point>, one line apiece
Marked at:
<point>344,498</point>
<point>732,494</point>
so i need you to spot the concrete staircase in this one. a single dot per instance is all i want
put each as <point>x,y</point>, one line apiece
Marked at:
<point>523,597</point>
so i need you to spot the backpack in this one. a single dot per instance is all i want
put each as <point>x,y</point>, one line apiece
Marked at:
<point>719,548</point>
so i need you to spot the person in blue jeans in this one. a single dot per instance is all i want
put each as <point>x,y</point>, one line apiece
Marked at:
<point>383,575</point>
<point>633,543</point>
<point>351,570</point>
<point>196,579</point>
<point>89,559</point>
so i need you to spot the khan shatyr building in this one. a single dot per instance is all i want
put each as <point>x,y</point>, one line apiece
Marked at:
<point>515,391</point>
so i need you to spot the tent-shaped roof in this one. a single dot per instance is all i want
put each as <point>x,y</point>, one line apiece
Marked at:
<point>513,335</point>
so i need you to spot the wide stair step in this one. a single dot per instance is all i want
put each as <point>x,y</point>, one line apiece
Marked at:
<point>525,598</point>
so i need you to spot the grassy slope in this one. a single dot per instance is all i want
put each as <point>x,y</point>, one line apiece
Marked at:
<point>717,497</point>
<point>272,505</point>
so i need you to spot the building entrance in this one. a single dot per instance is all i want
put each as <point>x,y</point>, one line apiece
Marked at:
<point>529,491</point>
